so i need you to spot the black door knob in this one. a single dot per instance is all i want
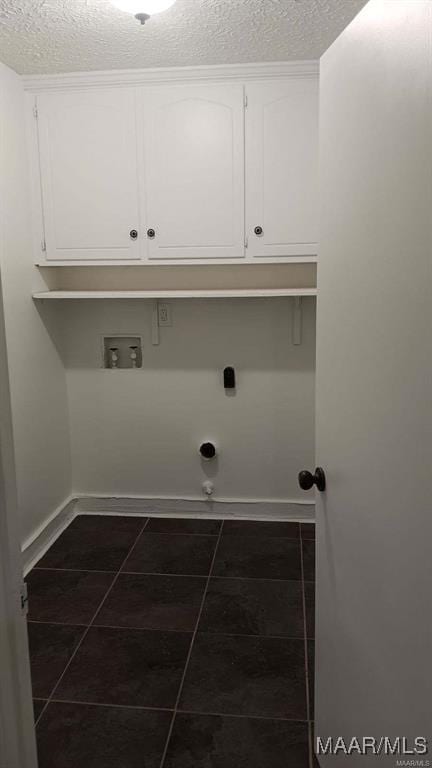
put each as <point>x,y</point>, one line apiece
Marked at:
<point>133,234</point>
<point>151,233</point>
<point>258,230</point>
<point>307,480</point>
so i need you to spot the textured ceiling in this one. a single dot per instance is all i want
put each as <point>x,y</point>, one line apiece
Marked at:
<point>50,36</point>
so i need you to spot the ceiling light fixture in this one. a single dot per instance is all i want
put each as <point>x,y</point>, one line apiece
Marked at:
<point>143,9</point>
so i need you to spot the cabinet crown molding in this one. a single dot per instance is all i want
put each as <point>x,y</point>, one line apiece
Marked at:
<point>170,75</point>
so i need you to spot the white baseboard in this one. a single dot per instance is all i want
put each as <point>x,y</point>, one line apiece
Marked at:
<point>40,541</point>
<point>193,507</point>
<point>36,545</point>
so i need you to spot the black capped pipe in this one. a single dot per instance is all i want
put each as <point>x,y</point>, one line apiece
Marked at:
<point>207,451</point>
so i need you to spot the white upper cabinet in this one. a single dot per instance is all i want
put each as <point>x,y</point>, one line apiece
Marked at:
<point>193,139</point>
<point>89,175</point>
<point>282,168</point>
<point>177,173</point>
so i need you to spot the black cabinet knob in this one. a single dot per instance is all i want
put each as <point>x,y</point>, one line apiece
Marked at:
<point>258,230</point>
<point>151,233</point>
<point>133,234</point>
<point>307,480</point>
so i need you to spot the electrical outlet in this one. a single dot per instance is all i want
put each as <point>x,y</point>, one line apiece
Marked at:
<point>164,314</point>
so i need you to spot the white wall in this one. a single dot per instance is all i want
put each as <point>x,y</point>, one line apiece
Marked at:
<point>137,432</point>
<point>37,379</point>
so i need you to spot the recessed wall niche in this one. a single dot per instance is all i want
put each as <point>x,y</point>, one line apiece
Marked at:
<point>122,352</point>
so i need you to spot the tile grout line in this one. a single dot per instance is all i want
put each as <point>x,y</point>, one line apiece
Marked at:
<point>226,535</point>
<point>119,572</point>
<point>305,650</point>
<point>175,631</point>
<point>69,570</point>
<point>182,711</point>
<point>88,627</point>
<point>183,678</point>
<point>80,703</point>
<point>242,717</point>
<point>177,575</point>
<point>194,575</point>
<point>181,533</point>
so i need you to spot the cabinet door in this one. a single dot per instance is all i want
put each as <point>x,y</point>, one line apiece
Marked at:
<point>194,169</point>
<point>88,158</point>
<point>282,167</point>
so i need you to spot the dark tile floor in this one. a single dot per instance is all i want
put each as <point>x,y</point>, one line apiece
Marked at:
<point>174,643</point>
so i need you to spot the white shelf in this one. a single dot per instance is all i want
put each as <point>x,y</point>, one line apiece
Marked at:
<point>247,293</point>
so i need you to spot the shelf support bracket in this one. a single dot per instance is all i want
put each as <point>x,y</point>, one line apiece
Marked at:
<point>155,324</point>
<point>297,321</point>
